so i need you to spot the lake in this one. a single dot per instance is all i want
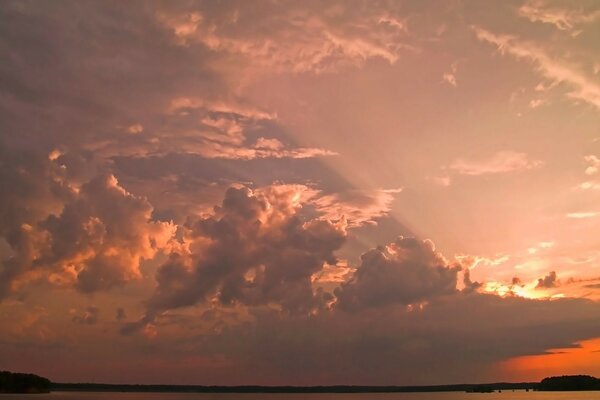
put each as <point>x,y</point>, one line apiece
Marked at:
<point>505,395</point>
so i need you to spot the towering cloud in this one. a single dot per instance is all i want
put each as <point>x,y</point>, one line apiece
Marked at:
<point>100,238</point>
<point>32,187</point>
<point>93,236</point>
<point>407,271</point>
<point>254,250</point>
<point>548,281</point>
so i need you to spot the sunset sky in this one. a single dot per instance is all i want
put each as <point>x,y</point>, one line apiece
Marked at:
<point>300,192</point>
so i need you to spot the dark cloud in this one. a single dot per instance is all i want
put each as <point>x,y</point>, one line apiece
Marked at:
<point>516,281</point>
<point>470,286</point>
<point>407,271</point>
<point>120,314</point>
<point>254,250</point>
<point>391,344</point>
<point>33,188</point>
<point>78,66</point>
<point>548,282</point>
<point>94,236</point>
<point>593,286</point>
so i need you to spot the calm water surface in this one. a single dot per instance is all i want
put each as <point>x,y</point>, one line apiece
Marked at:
<point>506,395</point>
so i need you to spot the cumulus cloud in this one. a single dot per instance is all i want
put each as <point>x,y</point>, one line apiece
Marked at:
<point>547,282</point>
<point>470,285</point>
<point>94,235</point>
<point>557,71</point>
<point>500,162</point>
<point>406,271</point>
<point>34,187</point>
<point>101,238</point>
<point>254,250</point>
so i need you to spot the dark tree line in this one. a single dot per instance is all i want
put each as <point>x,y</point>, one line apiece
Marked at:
<point>12,382</point>
<point>569,383</point>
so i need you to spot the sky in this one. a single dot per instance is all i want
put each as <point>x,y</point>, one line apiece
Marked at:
<point>300,192</point>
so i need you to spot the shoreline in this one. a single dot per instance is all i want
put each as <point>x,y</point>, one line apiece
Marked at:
<point>93,387</point>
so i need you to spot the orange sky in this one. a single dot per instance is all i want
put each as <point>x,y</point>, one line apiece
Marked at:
<point>279,192</point>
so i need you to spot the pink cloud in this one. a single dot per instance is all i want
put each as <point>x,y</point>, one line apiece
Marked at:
<point>500,162</point>
<point>297,41</point>
<point>565,19</point>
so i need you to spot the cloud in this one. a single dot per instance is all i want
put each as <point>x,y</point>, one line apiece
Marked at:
<point>540,247</point>
<point>183,105</point>
<point>474,261</point>
<point>450,77</point>
<point>100,238</point>
<point>89,317</point>
<point>34,188</point>
<point>254,250</point>
<point>211,129</point>
<point>582,215</point>
<point>548,282</point>
<point>594,164</point>
<point>120,315</point>
<point>471,331</point>
<point>443,181</point>
<point>93,236</point>
<point>537,103</point>
<point>562,18</point>
<point>292,39</point>
<point>407,271</point>
<point>555,70</point>
<point>358,207</point>
<point>588,185</point>
<point>470,285</point>
<point>135,129</point>
<point>500,162</point>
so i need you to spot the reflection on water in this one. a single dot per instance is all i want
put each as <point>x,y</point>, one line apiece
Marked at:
<point>505,395</point>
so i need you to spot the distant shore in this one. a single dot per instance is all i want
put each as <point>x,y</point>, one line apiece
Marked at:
<point>93,387</point>
<point>28,383</point>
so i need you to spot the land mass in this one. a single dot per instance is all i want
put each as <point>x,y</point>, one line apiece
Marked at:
<point>97,387</point>
<point>12,382</point>
<point>569,383</point>
<point>28,383</point>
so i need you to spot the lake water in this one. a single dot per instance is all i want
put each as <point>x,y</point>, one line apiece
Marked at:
<point>505,395</point>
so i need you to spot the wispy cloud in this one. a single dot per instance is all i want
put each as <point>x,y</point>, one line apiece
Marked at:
<point>359,207</point>
<point>502,161</point>
<point>450,76</point>
<point>593,164</point>
<point>296,42</point>
<point>562,18</point>
<point>208,128</point>
<point>557,71</point>
<point>583,215</point>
